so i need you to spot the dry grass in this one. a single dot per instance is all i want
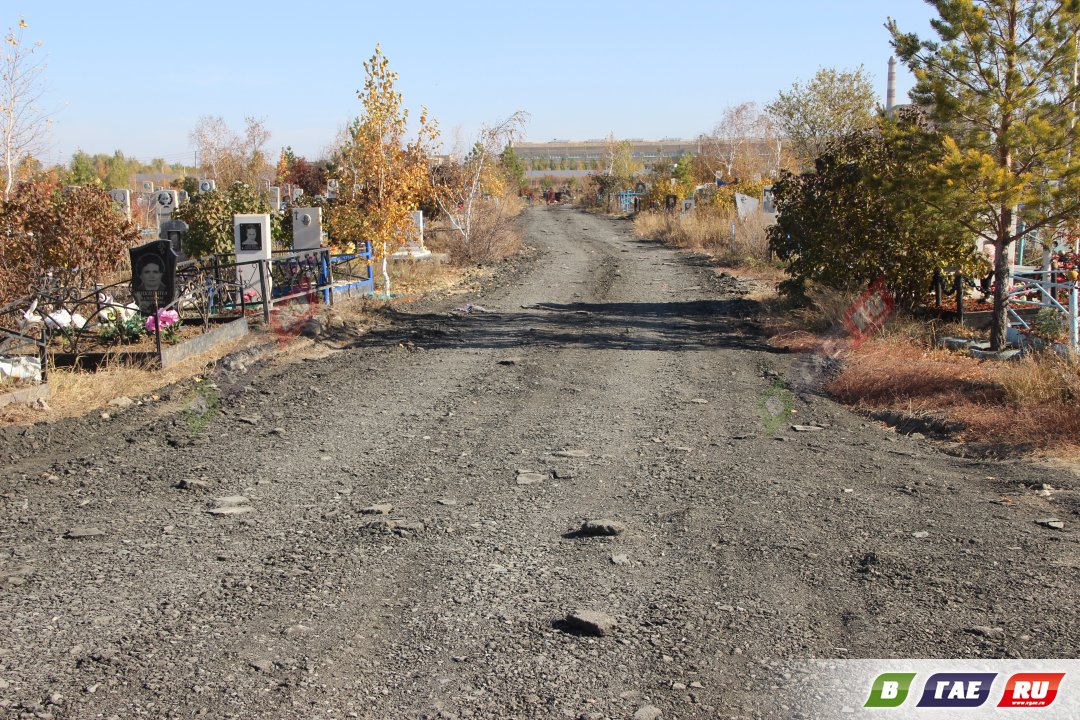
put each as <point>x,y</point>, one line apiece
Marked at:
<point>710,229</point>
<point>898,375</point>
<point>1028,404</point>
<point>495,234</point>
<point>1040,379</point>
<point>1024,405</point>
<point>76,392</point>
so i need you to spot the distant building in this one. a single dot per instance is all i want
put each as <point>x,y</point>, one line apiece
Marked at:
<point>587,151</point>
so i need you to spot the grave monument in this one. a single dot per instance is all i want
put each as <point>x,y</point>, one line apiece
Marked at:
<point>307,228</point>
<point>251,234</point>
<point>153,275</point>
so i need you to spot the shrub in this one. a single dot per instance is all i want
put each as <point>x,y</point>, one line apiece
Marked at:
<point>494,233</point>
<point>44,228</point>
<point>861,217</point>
<point>709,228</point>
<point>209,216</point>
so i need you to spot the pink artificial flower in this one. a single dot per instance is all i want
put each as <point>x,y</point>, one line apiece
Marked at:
<point>164,317</point>
<point>250,295</point>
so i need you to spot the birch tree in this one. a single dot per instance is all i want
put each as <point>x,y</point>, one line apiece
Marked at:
<point>460,194</point>
<point>384,177</point>
<point>24,126</point>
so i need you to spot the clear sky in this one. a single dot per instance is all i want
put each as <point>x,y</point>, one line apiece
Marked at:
<point>136,76</point>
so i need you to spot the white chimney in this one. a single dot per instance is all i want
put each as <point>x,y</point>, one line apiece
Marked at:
<point>890,93</point>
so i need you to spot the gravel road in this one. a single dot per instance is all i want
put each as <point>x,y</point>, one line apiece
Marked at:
<point>397,526</point>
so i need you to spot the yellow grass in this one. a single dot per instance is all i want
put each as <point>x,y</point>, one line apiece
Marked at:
<point>76,392</point>
<point>710,229</point>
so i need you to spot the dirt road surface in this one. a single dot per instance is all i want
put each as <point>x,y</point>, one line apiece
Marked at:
<point>605,378</point>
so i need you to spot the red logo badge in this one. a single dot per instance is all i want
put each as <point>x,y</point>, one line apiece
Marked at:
<point>867,314</point>
<point>1031,690</point>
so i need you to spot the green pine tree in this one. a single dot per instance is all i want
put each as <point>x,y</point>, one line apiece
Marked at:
<point>1000,83</point>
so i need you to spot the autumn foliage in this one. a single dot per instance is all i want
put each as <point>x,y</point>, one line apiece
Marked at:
<point>46,228</point>
<point>383,177</point>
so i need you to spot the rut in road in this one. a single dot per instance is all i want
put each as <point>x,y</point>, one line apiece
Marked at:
<point>635,386</point>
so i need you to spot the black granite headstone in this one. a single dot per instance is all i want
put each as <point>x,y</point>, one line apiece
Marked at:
<point>153,275</point>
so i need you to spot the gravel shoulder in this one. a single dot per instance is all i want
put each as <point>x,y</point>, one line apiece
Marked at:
<point>403,539</point>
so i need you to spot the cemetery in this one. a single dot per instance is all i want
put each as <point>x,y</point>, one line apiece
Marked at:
<point>164,306</point>
<point>314,404</point>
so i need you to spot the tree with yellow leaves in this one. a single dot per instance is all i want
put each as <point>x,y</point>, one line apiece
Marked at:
<point>382,177</point>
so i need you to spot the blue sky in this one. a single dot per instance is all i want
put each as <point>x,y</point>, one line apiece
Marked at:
<point>136,76</point>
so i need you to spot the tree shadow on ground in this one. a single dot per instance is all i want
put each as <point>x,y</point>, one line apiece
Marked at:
<point>653,326</point>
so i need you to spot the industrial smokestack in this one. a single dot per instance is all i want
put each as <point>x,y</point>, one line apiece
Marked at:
<point>890,93</point>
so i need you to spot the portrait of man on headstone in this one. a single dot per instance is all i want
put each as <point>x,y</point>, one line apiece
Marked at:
<point>250,236</point>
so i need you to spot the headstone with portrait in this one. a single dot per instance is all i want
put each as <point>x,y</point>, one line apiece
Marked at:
<point>175,231</point>
<point>332,188</point>
<point>207,185</point>
<point>307,228</point>
<point>251,234</point>
<point>166,200</point>
<point>153,275</point>
<point>746,205</point>
<point>122,198</point>
<point>768,201</point>
<point>182,198</point>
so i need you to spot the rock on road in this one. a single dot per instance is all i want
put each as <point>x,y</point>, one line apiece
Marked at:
<point>582,496</point>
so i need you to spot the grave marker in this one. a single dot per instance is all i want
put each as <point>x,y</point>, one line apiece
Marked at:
<point>307,228</point>
<point>174,231</point>
<point>153,275</point>
<point>122,198</point>
<point>251,233</point>
<point>414,240</point>
<point>275,199</point>
<point>207,185</point>
<point>768,201</point>
<point>745,205</point>
<point>166,200</point>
